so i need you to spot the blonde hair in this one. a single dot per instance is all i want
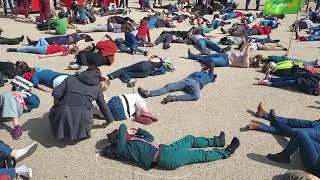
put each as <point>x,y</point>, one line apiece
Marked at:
<point>105,84</point>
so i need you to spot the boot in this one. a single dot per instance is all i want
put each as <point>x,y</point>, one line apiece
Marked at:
<point>143,93</point>
<point>235,143</point>
<point>221,138</point>
<point>260,111</point>
<point>279,157</point>
<point>12,50</point>
<point>168,99</point>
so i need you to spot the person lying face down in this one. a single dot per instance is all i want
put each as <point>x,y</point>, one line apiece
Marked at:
<point>136,144</point>
<point>63,40</point>
<point>191,85</point>
<point>126,106</point>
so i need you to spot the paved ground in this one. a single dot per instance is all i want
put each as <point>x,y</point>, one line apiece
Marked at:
<point>224,105</point>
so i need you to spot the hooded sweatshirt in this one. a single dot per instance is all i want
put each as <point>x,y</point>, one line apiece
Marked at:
<point>144,31</point>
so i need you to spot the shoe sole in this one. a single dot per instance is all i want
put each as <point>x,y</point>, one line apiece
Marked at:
<point>30,151</point>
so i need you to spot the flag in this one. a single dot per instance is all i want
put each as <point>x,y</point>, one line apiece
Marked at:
<point>272,7</point>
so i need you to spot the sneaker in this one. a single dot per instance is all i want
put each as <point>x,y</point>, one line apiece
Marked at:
<point>223,31</point>
<point>166,46</point>
<point>82,69</point>
<point>12,50</point>
<point>25,152</point>
<point>21,38</point>
<point>17,132</point>
<point>145,53</point>
<point>143,93</point>
<point>189,54</point>
<point>131,83</point>
<point>168,99</point>
<point>74,66</point>
<point>24,171</point>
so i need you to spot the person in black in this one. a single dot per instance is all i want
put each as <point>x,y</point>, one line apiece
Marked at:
<point>10,70</point>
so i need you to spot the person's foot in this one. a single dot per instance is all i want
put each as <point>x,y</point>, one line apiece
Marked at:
<point>272,117</point>
<point>17,132</point>
<point>21,154</point>
<point>166,46</point>
<point>131,83</point>
<point>74,66</point>
<point>168,99</point>
<point>235,143</point>
<point>24,171</point>
<point>189,54</point>
<point>150,116</point>
<point>285,49</point>
<point>145,53</point>
<point>12,50</point>
<point>221,138</point>
<point>206,52</point>
<point>29,40</point>
<point>224,50</point>
<point>143,120</point>
<point>223,31</point>
<point>260,111</point>
<point>279,157</point>
<point>143,93</point>
<point>254,125</point>
<point>21,38</point>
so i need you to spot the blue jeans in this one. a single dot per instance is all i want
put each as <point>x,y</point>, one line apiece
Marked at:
<point>315,37</point>
<point>152,23</point>
<point>229,16</point>
<point>284,82</point>
<point>205,44</point>
<point>268,22</point>
<point>215,24</point>
<point>312,128</point>
<point>190,86</point>
<point>309,148</point>
<point>219,59</point>
<point>40,48</point>
<point>122,46</point>
<point>172,9</point>
<point>5,151</point>
<point>318,4</point>
<point>262,40</point>
<point>277,59</point>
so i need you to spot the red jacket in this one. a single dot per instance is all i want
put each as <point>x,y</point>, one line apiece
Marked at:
<point>263,30</point>
<point>143,31</point>
<point>108,48</point>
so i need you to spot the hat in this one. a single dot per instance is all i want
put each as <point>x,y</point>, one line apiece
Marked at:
<point>27,76</point>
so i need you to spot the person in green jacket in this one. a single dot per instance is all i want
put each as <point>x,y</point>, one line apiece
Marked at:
<point>137,145</point>
<point>60,24</point>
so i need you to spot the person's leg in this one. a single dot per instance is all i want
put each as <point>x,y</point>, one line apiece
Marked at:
<point>177,86</point>
<point>201,43</point>
<point>82,58</point>
<point>25,4</point>
<point>136,48</point>
<point>294,122</point>
<point>121,74</point>
<point>190,141</point>
<point>36,50</point>
<point>257,4</point>
<point>10,171</point>
<point>317,5</point>
<point>247,4</point>
<point>212,45</point>
<point>141,69</point>
<point>284,82</point>
<point>161,39</point>
<point>11,6</point>
<point>8,41</point>
<point>42,42</point>
<point>5,9</point>
<point>192,91</point>
<point>120,43</point>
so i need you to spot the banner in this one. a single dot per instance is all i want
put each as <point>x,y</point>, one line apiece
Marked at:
<point>272,7</point>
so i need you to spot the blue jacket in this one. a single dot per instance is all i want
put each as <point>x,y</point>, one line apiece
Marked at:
<point>130,40</point>
<point>203,77</point>
<point>152,23</point>
<point>158,71</point>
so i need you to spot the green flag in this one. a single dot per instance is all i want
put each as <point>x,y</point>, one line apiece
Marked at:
<point>272,7</point>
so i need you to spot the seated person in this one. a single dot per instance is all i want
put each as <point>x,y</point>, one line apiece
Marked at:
<point>105,54</point>
<point>7,152</point>
<point>137,145</point>
<point>235,59</point>
<point>84,16</point>
<point>44,79</point>
<point>143,33</point>
<point>126,106</point>
<point>154,66</point>
<point>13,104</point>
<point>191,85</point>
<point>60,24</point>
<point>42,47</point>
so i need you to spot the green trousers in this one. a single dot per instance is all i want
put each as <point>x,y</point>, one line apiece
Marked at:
<point>181,153</point>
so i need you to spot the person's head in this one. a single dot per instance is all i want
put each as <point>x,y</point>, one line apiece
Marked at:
<point>22,65</point>
<point>61,15</point>
<point>113,136</point>
<point>254,63</point>
<point>266,67</point>
<point>143,21</point>
<point>235,5</point>
<point>216,16</point>
<point>81,7</point>
<point>126,28</point>
<point>109,150</point>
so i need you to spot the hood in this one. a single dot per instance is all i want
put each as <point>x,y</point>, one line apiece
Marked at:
<point>89,77</point>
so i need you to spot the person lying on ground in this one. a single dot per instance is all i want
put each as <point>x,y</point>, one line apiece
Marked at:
<point>154,66</point>
<point>129,105</point>
<point>71,117</point>
<point>205,44</point>
<point>111,27</point>
<point>42,47</point>
<point>264,46</point>
<point>235,40</point>
<point>10,69</point>
<point>308,146</point>
<point>191,85</point>
<point>130,43</point>
<point>10,41</point>
<point>235,59</point>
<point>276,59</point>
<point>63,40</point>
<point>156,22</point>
<point>137,145</point>
<point>172,8</point>
<point>13,104</point>
<point>244,30</point>
<point>6,153</point>
<point>45,79</point>
<point>307,82</point>
<point>103,53</point>
<point>314,37</point>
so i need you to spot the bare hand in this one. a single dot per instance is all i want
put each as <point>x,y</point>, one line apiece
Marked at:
<point>132,131</point>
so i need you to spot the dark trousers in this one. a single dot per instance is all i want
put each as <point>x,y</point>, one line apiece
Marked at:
<point>90,58</point>
<point>139,70</point>
<point>182,153</point>
<point>309,148</point>
<point>257,4</point>
<point>45,26</point>
<point>44,10</point>
<point>8,41</point>
<point>285,82</point>
<point>166,38</point>
<point>24,4</point>
<point>5,9</point>
<point>159,2</point>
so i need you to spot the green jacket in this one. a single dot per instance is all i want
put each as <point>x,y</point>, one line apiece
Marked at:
<point>286,65</point>
<point>60,25</point>
<point>138,151</point>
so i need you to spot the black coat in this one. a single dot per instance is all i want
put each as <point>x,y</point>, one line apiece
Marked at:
<point>308,82</point>
<point>72,117</point>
